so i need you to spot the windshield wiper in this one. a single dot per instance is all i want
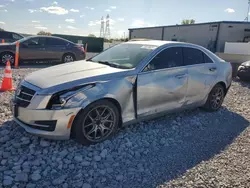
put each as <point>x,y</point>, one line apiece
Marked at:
<point>116,65</point>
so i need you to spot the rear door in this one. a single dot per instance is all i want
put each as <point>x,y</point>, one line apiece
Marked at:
<point>202,73</point>
<point>162,85</point>
<point>33,49</point>
<point>56,48</point>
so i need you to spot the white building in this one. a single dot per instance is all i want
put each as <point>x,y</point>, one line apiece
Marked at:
<point>212,35</point>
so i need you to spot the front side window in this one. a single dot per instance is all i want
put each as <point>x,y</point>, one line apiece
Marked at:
<point>37,41</point>
<point>168,58</point>
<point>125,55</point>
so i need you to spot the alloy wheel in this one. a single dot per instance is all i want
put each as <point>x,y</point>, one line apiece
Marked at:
<point>6,58</point>
<point>217,98</point>
<point>99,123</point>
<point>68,58</point>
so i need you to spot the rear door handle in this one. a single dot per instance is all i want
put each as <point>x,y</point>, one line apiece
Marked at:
<point>179,76</point>
<point>213,69</point>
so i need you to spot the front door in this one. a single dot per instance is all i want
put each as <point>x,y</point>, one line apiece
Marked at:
<point>201,74</point>
<point>162,85</point>
<point>33,49</point>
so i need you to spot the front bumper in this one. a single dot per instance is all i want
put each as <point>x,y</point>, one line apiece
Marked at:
<point>51,124</point>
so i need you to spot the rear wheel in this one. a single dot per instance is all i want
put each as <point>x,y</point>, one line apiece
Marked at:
<point>7,56</point>
<point>215,98</point>
<point>96,123</point>
<point>68,58</point>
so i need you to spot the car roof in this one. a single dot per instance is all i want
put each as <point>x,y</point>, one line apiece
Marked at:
<point>160,43</point>
<point>151,42</point>
<point>45,36</point>
<point>10,32</point>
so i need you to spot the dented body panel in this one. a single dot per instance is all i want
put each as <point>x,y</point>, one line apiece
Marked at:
<point>138,93</point>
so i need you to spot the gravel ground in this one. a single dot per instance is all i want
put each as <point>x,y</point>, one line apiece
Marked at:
<point>188,149</point>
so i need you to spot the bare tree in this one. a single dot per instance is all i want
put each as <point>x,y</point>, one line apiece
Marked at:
<point>186,22</point>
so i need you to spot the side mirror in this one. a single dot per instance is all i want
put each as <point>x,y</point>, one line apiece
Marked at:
<point>148,68</point>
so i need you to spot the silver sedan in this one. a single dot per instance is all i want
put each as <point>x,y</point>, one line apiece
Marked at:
<point>130,82</point>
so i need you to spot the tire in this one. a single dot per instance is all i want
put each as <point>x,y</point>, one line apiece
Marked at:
<point>215,98</point>
<point>69,57</point>
<point>7,56</point>
<point>83,124</point>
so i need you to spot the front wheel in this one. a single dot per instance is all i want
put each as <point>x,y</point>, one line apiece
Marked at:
<point>215,98</point>
<point>96,123</point>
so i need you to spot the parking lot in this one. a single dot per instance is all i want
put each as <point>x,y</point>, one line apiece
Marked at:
<point>188,149</point>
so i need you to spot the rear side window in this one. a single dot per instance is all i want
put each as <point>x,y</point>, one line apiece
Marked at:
<point>207,59</point>
<point>192,56</point>
<point>56,42</point>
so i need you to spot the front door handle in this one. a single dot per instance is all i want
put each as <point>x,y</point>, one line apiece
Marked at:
<point>212,69</point>
<point>179,76</point>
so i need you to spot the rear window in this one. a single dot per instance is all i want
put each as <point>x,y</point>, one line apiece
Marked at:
<point>16,36</point>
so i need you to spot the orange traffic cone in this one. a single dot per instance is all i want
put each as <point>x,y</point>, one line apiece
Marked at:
<point>7,79</point>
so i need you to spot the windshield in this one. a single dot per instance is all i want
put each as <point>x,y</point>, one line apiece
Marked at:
<point>125,55</point>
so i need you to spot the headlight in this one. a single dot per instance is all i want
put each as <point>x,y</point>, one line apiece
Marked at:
<point>69,98</point>
<point>241,67</point>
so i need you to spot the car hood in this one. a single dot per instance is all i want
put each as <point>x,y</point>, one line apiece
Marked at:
<point>247,64</point>
<point>71,73</point>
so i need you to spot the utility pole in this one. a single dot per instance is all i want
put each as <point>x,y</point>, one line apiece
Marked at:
<point>107,30</point>
<point>102,28</point>
<point>248,7</point>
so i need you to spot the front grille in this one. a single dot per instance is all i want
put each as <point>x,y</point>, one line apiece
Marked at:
<point>23,96</point>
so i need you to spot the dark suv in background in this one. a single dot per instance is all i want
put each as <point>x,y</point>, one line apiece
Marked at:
<point>42,48</point>
<point>9,36</point>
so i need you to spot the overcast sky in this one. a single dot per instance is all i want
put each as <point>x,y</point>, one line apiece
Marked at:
<point>82,17</point>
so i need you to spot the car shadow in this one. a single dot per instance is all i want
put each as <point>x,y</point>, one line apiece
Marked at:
<point>149,153</point>
<point>242,83</point>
